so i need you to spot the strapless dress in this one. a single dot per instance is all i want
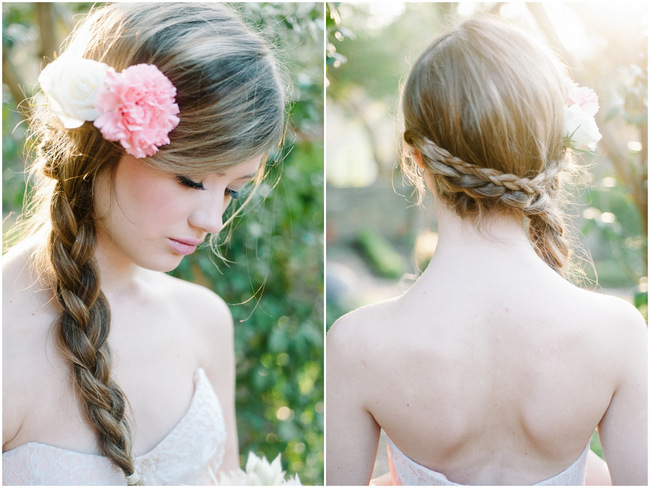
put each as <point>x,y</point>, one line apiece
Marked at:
<point>186,456</point>
<point>405,471</point>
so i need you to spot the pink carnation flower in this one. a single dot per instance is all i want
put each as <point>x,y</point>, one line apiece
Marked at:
<point>137,107</point>
<point>584,97</point>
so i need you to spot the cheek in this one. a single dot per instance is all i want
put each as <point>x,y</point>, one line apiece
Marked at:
<point>152,203</point>
<point>142,198</point>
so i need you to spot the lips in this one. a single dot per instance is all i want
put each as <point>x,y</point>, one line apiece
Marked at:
<point>184,246</point>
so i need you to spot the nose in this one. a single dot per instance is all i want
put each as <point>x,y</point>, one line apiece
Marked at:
<point>208,216</point>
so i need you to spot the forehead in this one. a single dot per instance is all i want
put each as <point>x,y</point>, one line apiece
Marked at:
<point>246,170</point>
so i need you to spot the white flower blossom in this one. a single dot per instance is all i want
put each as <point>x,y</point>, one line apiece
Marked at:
<point>71,84</point>
<point>580,128</point>
<point>259,472</point>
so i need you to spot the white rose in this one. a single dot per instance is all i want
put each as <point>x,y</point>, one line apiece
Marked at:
<point>580,128</point>
<point>70,84</point>
<point>259,472</point>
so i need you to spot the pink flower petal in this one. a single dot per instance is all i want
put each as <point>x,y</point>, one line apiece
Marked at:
<point>137,107</point>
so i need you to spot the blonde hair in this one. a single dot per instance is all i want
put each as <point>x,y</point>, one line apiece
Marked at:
<point>484,106</point>
<point>231,98</point>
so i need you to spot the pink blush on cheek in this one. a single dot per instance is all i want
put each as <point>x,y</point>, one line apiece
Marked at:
<point>147,202</point>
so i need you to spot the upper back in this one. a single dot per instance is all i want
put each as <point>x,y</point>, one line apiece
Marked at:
<point>490,376</point>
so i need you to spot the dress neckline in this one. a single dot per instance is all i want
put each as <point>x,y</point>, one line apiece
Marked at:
<point>201,382</point>
<point>441,476</point>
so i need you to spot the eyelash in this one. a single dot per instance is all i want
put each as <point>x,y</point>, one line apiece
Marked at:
<point>194,185</point>
<point>198,185</point>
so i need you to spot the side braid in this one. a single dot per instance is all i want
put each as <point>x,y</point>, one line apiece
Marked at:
<point>487,188</point>
<point>84,325</point>
<point>547,231</point>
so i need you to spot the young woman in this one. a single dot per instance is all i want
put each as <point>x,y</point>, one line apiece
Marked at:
<point>492,369</point>
<point>154,118</point>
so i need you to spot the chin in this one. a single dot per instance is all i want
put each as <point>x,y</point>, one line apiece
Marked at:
<point>161,265</point>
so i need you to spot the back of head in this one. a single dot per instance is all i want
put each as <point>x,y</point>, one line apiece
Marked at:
<point>484,105</point>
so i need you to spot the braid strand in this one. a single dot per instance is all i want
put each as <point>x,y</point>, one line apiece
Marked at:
<point>84,324</point>
<point>484,186</point>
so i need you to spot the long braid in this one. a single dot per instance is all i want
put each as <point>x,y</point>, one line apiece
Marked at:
<point>84,324</point>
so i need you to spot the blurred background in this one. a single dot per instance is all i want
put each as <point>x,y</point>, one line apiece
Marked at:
<point>378,240</point>
<point>272,275</point>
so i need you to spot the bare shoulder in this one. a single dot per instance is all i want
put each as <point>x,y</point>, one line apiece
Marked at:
<point>28,306</point>
<point>207,315</point>
<point>362,320</point>
<point>618,328</point>
<point>197,299</point>
<point>359,333</point>
<point>28,311</point>
<point>612,315</point>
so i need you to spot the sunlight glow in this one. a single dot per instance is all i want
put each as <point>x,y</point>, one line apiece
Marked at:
<point>383,14</point>
<point>609,182</point>
<point>283,413</point>
<point>570,29</point>
<point>634,146</point>
<point>466,9</point>
<point>608,217</point>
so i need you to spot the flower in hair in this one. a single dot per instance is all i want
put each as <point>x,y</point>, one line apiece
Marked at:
<point>580,128</point>
<point>71,85</point>
<point>135,107</point>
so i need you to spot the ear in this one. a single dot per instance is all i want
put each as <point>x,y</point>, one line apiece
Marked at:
<point>417,157</point>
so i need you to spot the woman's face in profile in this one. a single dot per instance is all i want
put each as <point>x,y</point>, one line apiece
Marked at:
<point>154,218</point>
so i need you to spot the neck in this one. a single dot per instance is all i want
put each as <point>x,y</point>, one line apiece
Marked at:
<point>498,240</point>
<point>116,271</point>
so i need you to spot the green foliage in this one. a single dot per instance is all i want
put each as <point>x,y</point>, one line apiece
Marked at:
<point>619,252</point>
<point>273,277</point>
<point>385,260</point>
<point>595,445</point>
<point>633,93</point>
<point>274,283</point>
<point>335,33</point>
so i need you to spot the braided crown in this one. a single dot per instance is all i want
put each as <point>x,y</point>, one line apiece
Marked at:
<point>480,182</point>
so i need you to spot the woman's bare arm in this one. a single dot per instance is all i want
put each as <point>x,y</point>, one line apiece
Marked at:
<point>624,427</point>
<point>352,434</point>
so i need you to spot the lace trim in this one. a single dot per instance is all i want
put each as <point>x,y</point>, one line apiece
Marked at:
<point>186,455</point>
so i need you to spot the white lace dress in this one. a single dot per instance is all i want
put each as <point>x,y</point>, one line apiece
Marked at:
<point>186,456</point>
<point>405,471</point>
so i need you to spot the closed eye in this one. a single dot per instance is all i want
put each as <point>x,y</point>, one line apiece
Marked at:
<point>185,181</point>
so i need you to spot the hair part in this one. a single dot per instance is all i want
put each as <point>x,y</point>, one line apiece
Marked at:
<point>484,105</point>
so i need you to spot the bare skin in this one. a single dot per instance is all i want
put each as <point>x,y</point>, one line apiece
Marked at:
<point>162,328</point>
<point>491,369</point>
